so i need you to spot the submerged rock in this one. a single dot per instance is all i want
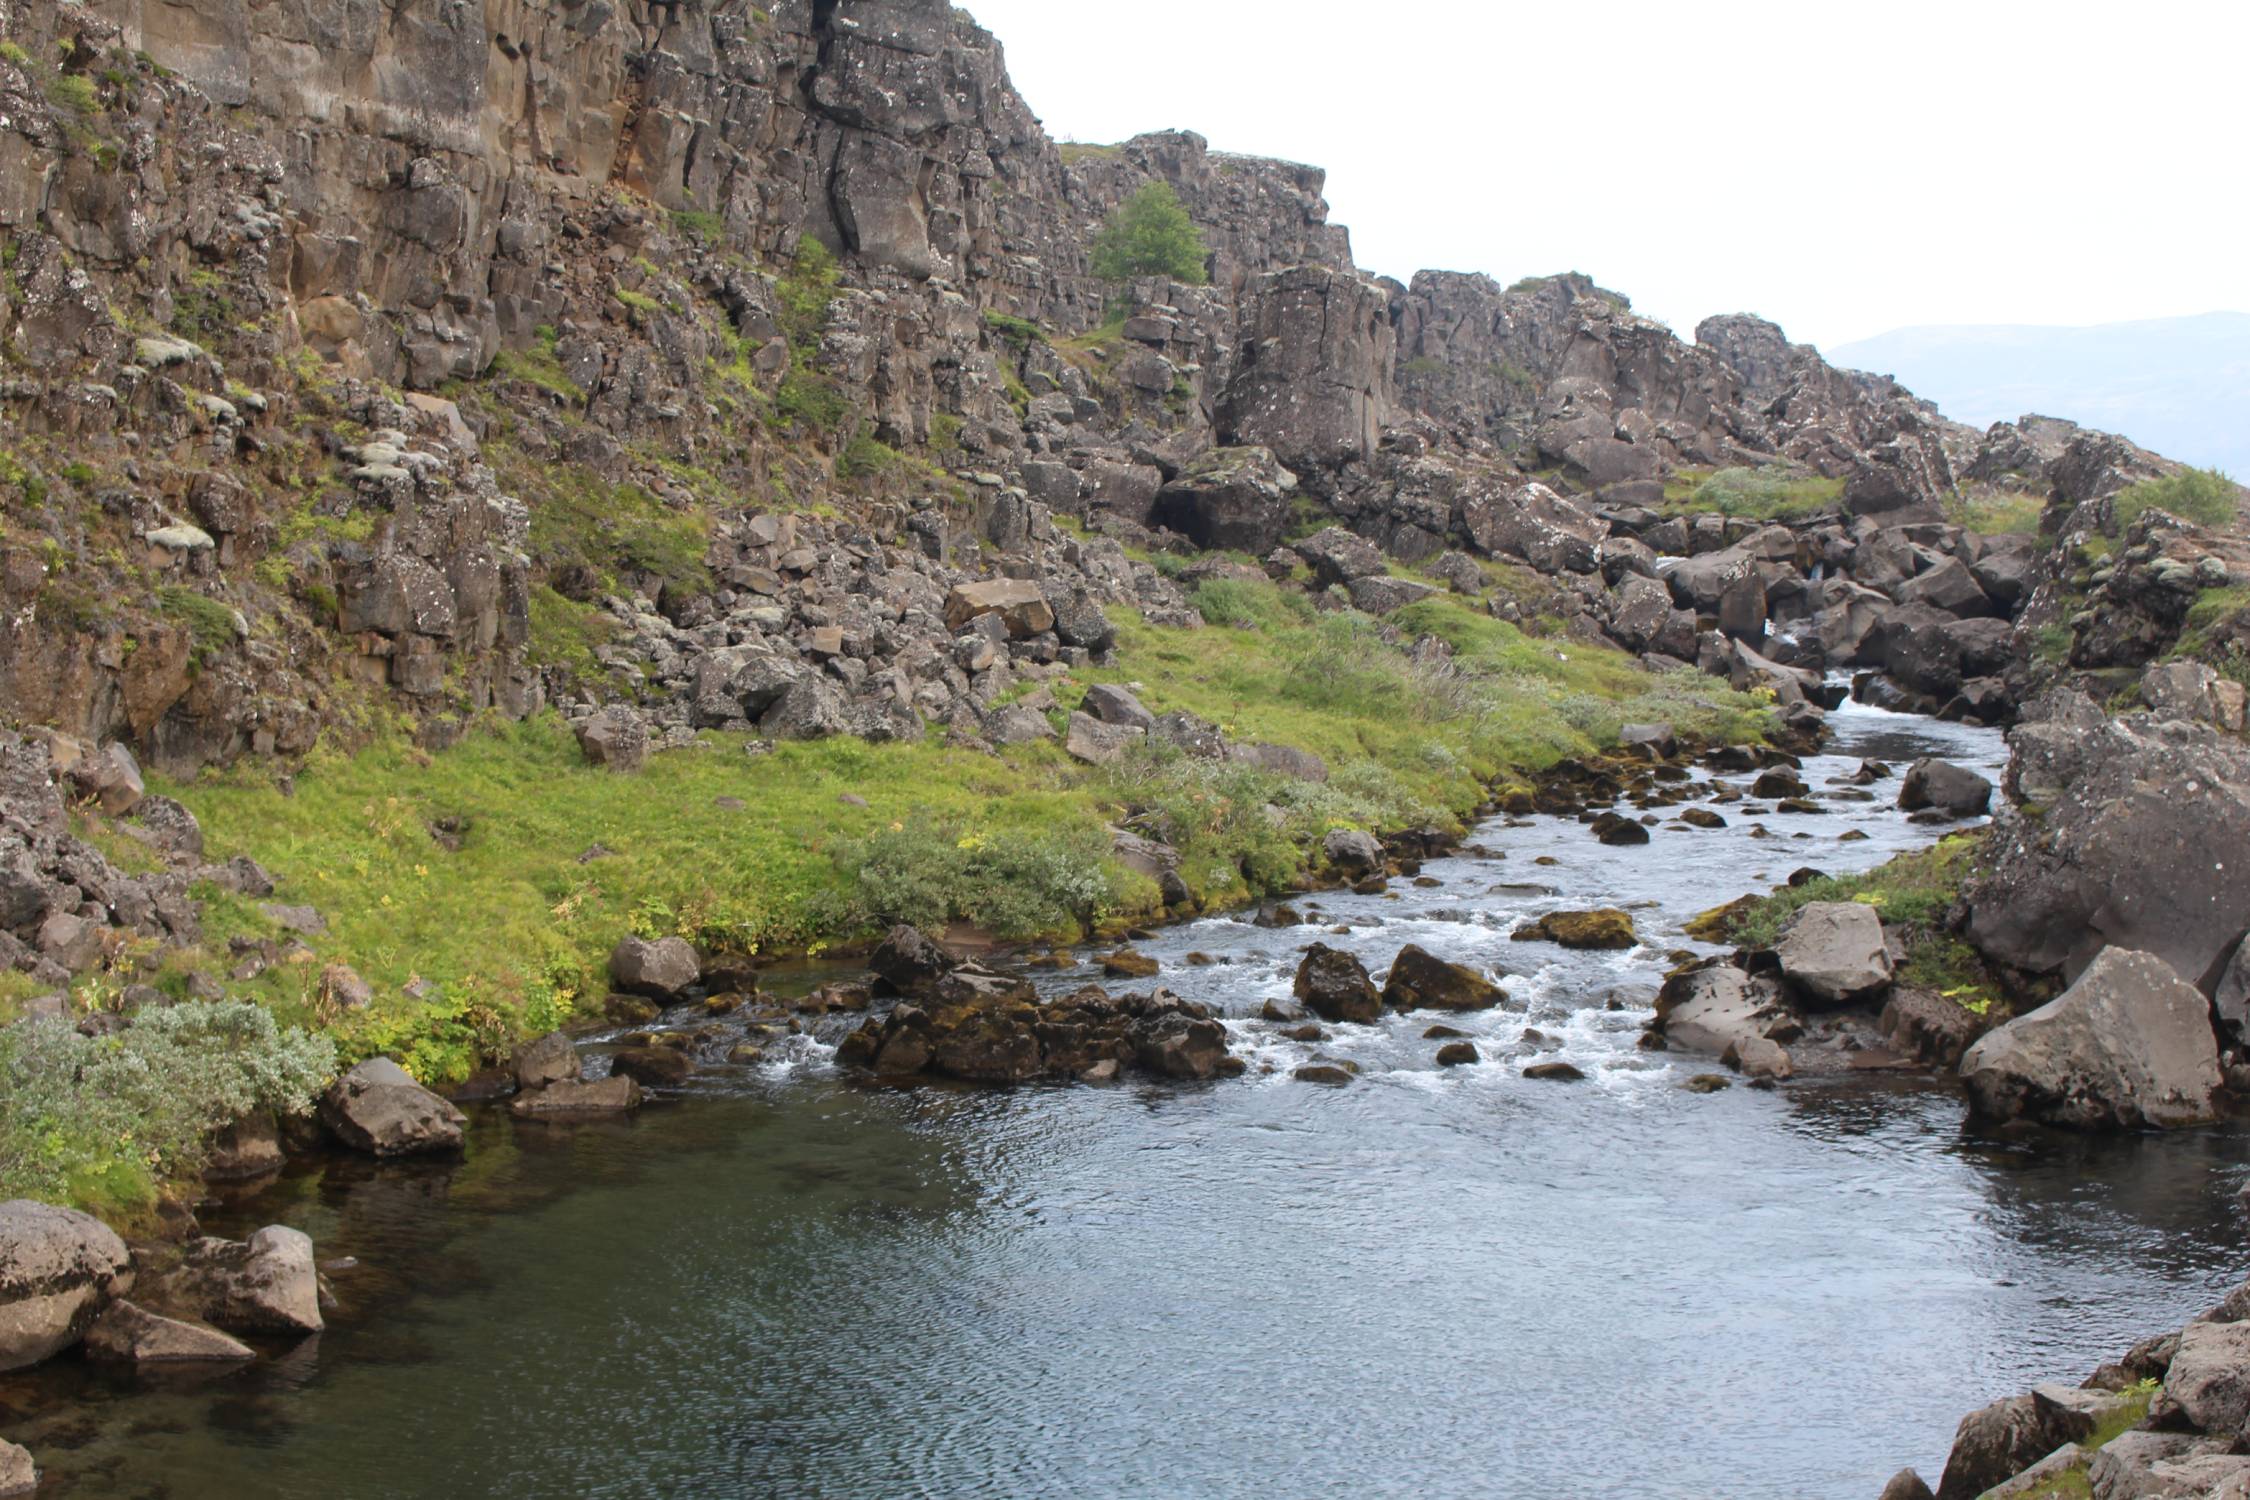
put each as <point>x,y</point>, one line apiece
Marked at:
<point>127,1334</point>
<point>614,1095</point>
<point>2129,1044</point>
<point>58,1269</point>
<point>987,1028</point>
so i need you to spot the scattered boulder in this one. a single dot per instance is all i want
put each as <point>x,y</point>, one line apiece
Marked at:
<point>1554,1072</point>
<point>1832,953</point>
<point>656,1067</point>
<point>2209,1378</point>
<point>1606,927</point>
<point>1129,963</point>
<point>2130,1044</point>
<point>551,1059</point>
<point>1997,1442</point>
<point>1353,852</point>
<point>615,739</point>
<point>1020,604</point>
<point>58,1269</point>
<point>378,1108</point>
<point>1096,743</point>
<point>1116,705</point>
<point>126,1334</point>
<point>1420,980</point>
<point>266,1284</point>
<point>1946,787</point>
<point>1457,1054</point>
<point>1334,986</point>
<point>661,970</point>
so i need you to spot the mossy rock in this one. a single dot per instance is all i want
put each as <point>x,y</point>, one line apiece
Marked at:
<point>1604,928</point>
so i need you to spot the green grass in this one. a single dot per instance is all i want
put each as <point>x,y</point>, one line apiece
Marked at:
<point>2203,496</point>
<point>1997,512</point>
<point>539,366</point>
<point>709,228</point>
<point>1020,332</point>
<point>209,622</point>
<point>1912,894</point>
<point>1756,494</point>
<point>513,929</point>
<point>619,531</point>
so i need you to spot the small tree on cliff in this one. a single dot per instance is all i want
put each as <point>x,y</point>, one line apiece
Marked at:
<point>1150,234</point>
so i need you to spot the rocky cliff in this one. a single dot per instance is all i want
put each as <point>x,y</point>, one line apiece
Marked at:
<point>683,360</point>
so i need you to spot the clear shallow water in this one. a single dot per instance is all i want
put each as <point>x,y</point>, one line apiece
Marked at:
<point>1438,1284</point>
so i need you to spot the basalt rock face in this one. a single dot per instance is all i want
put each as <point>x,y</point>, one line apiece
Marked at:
<point>687,357</point>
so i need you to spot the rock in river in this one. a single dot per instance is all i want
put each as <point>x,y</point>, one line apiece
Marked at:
<point>126,1334</point>
<point>58,1269</point>
<point>379,1109</point>
<point>1604,928</point>
<point>2129,1044</point>
<point>1947,787</point>
<point>1334,986</point>
<point>1420,980</point>
<point>18,1474</point>
<point>266,1284</point>
<point>1832,953</point>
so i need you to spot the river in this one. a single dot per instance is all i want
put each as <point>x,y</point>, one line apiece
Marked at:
<point>1427,1283</point>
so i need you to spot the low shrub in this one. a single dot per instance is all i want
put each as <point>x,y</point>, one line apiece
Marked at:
<point>103,1120</point>
<point>2204,496</point>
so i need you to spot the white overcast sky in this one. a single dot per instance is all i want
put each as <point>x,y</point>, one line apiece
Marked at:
<point>1842,168</point>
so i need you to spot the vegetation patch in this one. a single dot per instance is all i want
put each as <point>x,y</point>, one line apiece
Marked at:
<point>1774,494</point>
<point>1150,234</point>
<point>1913,893</point>
<point>1997,512</point>
<point>2203,496</point>
<point>103,1120</point>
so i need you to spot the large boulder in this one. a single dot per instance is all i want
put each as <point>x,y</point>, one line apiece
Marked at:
<point>2209,1378</point>
<point>1334,986</point>
<point>18,1474</point>
<point>909,962</point>
<point>1238,498</point>
<point>2132,836</point>
<point>660,970</point>
<point>2129,1044</point>
<point>1604,927</point>
<point>1720,1010</point>
<point>1339,556</point>
<point>1021,605</point>
<point>265,1284</point>
<point>1945,787</point>
<point>58,1269</point>
<point>1832,953</point>
<point>1998,1442</point>
<point>1098,743</point>
<point>378,1108</point>
<point>616,739</point>
<point>1353,852</point>
<point>1532,522</point>
<point>1420,980</point>
<point>551,1059</point>
<point>127,1334</point>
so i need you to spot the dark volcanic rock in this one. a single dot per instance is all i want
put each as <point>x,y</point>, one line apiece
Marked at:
<point>1420,980</point>
<point>1334,986</point>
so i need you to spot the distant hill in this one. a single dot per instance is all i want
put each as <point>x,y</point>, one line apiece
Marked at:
<point>2178,385</point>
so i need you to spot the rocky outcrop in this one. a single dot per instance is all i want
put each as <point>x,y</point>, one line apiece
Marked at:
<point>2129,1044</point>
<point>662,970</point>
<point>2126,833</point>
<point>58,1269</point>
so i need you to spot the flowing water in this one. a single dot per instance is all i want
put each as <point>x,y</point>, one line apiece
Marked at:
<point>1427,1283</point>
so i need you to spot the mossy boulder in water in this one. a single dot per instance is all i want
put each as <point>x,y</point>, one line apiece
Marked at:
<point>1606,927</point>
<point>1420,980</point>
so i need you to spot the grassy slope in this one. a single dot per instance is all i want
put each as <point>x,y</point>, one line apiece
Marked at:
<point>512,928</point>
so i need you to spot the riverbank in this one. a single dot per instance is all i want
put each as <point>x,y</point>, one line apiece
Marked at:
<point>1477,1216</point>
